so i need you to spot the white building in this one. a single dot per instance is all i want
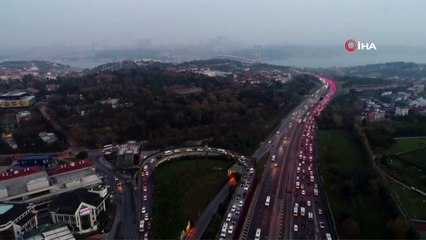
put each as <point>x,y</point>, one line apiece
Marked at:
<point>38,186</point>
<point>401,111</point>
<point>79,209</point>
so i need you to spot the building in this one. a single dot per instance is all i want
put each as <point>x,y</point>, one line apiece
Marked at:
<point>16,99</point>
<point>23,116</point>
<point>44,161</point>
<point>401,111</point>
<point>40,186</point>
<point>49,232</point>
<point>79,209</point>
<point>48,137</point>
<point>127,154</point>
<point>419,88</point>
<point>15,219</point>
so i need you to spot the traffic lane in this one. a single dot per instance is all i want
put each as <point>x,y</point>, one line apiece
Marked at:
<point>286,158</point>
<point>288,229</point>
<point>291,183</point>
<point>259,215</point>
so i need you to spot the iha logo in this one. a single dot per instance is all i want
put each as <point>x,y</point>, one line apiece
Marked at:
<point>351,45</point>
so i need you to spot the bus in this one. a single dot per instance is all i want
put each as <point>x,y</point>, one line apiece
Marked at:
<point>219,150</point>
<point>257,237</point>
<point>268,199</point>
<point>107,148</point>
<point>141,225</point>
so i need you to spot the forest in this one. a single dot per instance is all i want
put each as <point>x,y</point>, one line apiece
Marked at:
<point>150,107</point>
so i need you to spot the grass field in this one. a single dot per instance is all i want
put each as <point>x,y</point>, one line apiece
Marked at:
<point>406,144</point>
<point>414,203</point>
<point>338,152</point>
<point>417,157</point>
<point>182,190</point>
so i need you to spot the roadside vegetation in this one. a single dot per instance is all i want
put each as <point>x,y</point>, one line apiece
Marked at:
<point>182,190</point>
<point>223,112</point>
<point>359,197</point>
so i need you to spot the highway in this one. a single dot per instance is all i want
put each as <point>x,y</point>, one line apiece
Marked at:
<point>292,159</point>
<point>144,199</point>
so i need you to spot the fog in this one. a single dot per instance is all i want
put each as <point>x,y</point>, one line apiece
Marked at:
<point>113,23</point>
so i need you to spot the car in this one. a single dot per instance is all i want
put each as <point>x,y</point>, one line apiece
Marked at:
<point>233,208</point>
<point>143,210</point>
<point>278,132</point>
<point>189,150</point>
<point>275,164</point>
<point>230,229</point>
<point>228,218</point>
<point>240,204</point>
<point>310,231</point>
<point>146,236</point>
<point>269,141</point>
<point>149,225</point>
<point>302,226</point>
<point>152,160</point>
<point>297,178</point>
<point>145,197</point>
<point>177,150</point>
<point>302,186</point>
<point>321,225</point>
<point>146,216</point>
<point>315,185</point>
<point>145,188</point>
<point>319,211</point>
<point>303,192</point>
<point>308,203</point>
<point>295,228</point>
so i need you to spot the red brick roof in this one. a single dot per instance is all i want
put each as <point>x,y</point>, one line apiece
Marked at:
<point>19,173</point>
<point>71,167</point>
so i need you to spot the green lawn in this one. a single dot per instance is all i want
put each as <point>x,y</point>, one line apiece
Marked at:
<point>417,157</point>
<point>341,158</point>
<point>406,144</point>
<point>342,151</point>
<point>413,202</point>
<point>182,190</point>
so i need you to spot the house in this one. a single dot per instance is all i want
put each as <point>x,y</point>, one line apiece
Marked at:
<point>79,209</point>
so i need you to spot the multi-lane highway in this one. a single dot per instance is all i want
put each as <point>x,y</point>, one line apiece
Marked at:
<point>292,211</point>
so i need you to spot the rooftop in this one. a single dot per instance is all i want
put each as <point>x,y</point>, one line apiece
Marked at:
<point>50,231</point>
<point>68,203</point>
<point>71,167</point>
<point>13,94</point>
<point>11,212</point>
<point>19,173</point>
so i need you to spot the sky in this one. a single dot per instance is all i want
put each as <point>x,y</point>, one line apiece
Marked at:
<point>125,22</point>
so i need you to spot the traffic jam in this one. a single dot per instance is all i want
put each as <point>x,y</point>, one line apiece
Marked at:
<point>308,210</point>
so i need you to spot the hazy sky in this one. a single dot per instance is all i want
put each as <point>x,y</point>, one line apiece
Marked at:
<point>124,22</point>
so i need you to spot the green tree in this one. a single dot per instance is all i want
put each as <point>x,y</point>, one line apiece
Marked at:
<point>82,155</point>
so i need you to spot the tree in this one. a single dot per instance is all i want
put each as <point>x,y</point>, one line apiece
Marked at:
<point>82,155</point>
<point>350,228</point>
<point>399,228</point>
